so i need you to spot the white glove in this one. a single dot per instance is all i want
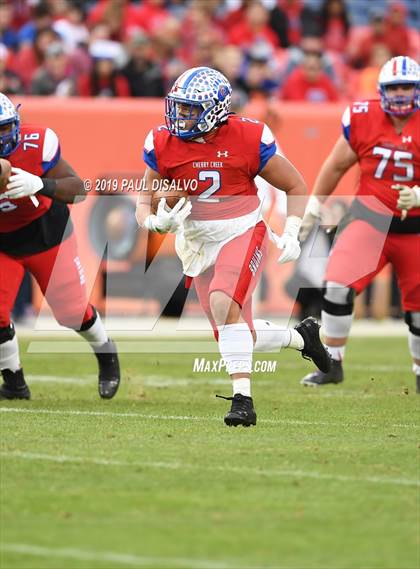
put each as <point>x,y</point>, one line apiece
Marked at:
<point>311,216</point>
<point>289,240</point>
<point>408,197</point>
<point>22,184</point>
<point>168,220</point>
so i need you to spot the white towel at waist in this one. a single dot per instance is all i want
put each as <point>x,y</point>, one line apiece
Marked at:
<point>199,243</point>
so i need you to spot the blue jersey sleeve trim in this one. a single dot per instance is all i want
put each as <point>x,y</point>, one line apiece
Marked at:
<point>346,132</point>
<point>150,159</point>
<point>47,166</point>
<point>346,123</point>
<point>266,152</point>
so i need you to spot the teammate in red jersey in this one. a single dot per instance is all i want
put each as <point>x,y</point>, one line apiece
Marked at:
<point>383,136</point>
<point>36,235</point>
<point>221,238</point>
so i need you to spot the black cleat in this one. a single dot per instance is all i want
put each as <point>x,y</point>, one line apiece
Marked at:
<point>313,348</point>
<point>109,370</point>
<point>417,383</point>
<point>14,386</point>
<point>242,411</point>
<point>317,378</point>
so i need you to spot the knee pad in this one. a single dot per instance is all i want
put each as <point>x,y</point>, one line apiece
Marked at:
<point>338,299</point>
<point>412,319</point>
<point>7,333</point>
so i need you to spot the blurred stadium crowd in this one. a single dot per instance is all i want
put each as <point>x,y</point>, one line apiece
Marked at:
<point>301,50</point>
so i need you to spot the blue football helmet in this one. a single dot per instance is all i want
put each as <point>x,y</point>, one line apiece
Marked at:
<point>201,95</point>
<point>401,70</point>
<point>9,114</point>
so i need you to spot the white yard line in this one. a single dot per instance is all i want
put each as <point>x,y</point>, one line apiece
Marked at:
<point>105,414</point>
<point>60,379</point>
<point>110,557</point>
<point>167,381</point>
<point>196,418</point>
<point>187,327</point>
<point>225,468</point>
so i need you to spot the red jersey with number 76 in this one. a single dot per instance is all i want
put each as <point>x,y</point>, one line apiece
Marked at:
<point>37,153</point>
<point>385,156</point>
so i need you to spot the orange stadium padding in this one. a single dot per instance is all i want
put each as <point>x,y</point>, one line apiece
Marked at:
<point>103,139</point>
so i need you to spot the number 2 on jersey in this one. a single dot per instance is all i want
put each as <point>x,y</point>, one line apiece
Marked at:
<point>402,159</point>
<point>214,176</point>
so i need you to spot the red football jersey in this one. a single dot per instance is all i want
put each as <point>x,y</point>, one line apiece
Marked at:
<point>385,157</point>
<point>37,153</point>
<point>219,171</point>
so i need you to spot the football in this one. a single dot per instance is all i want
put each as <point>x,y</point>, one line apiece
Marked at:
<point>5,172</point>
<point>171,193</point>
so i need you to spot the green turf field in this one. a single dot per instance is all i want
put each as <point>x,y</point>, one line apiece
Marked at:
<point>327,479</point>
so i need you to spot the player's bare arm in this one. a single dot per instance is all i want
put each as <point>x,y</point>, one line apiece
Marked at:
<point>340,160</point>
<point>281,174</point>
<point>66,184</point>
<point>60,183</point>
<point>144,200</point>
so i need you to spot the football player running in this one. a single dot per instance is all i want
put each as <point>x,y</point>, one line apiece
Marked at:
<point>383,137</point>
<point>36,235</point>
<point>221,238</point>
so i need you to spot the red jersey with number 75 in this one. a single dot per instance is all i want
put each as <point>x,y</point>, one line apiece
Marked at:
<point>385,156</point>
<point>217,171</point>
<point>37,153</point>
